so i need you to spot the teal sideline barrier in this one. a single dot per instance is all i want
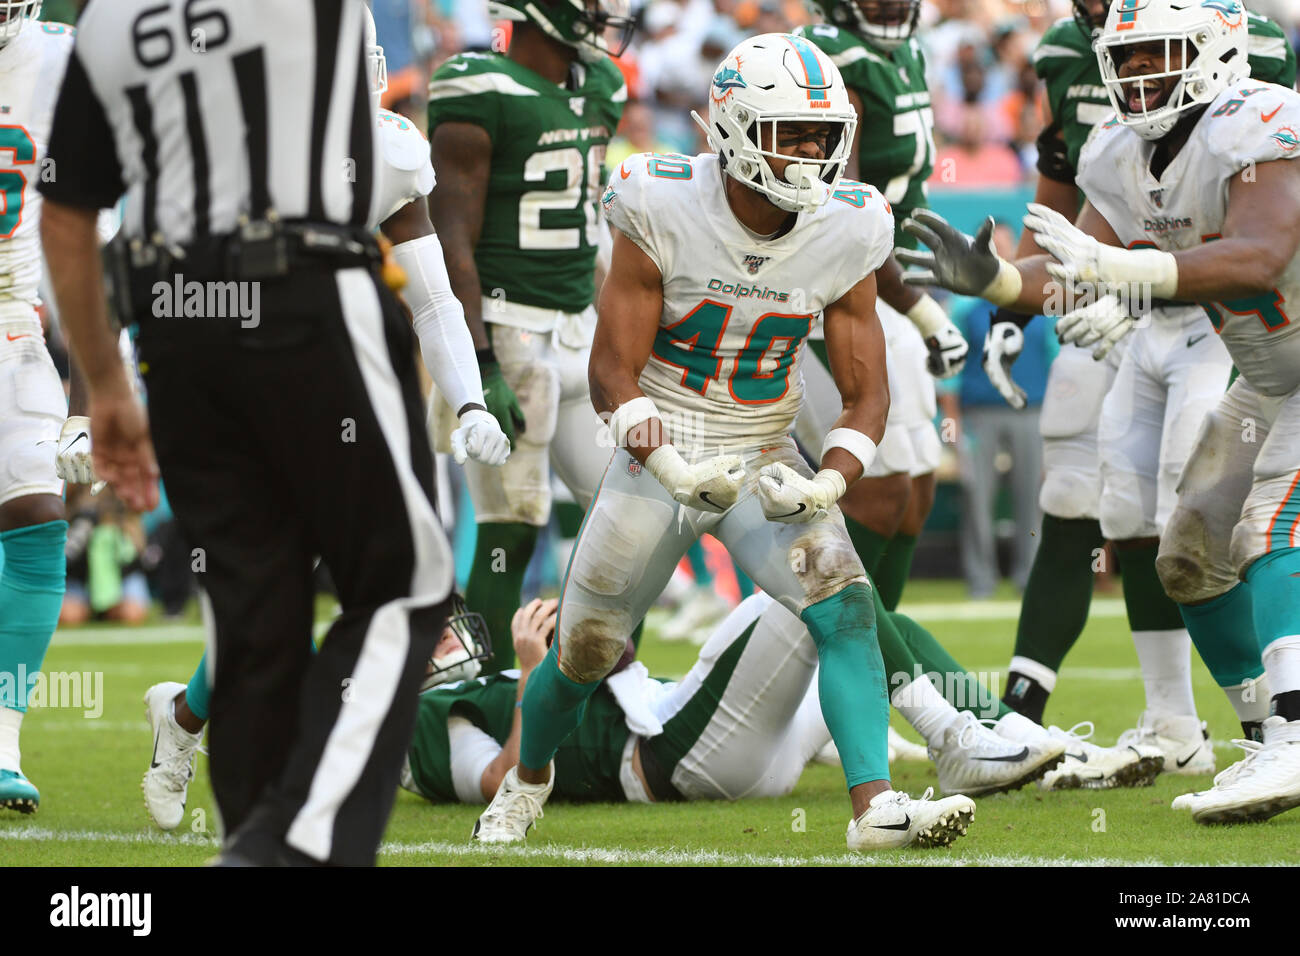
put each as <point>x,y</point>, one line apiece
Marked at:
<point>966,209</point>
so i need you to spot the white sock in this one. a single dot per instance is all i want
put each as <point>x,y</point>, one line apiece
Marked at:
<point>1282,664</point>
<point>1250,699</point>
<point>11,721</point>
<point>924,708</point>
<point>1166,661</point>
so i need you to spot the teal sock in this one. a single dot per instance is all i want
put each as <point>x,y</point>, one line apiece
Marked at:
<point>1059,592</point>
<point>198,693</point>
<point>743,582</point>
<point>869,545</point>
<point>893,568</point>
<point>1223,631</point>
<point>851,681</point>
<point>1275,594</point>
<point>31,595</point>
<point>961,687</point>
<point>501,556</point>
<point>553,708</point>
<point>699,566</point>
<point>1149,608</point>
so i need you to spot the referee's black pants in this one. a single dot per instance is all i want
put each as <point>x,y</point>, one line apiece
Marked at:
<point>304,436</point>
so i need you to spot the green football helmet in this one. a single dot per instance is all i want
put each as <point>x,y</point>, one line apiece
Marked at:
<point>886,24</point>
<point>582,24</point>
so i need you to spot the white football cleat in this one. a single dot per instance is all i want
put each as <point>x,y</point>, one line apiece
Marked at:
<point>974,760</point>
<point>895,820</point>
<point>696,617</point>
<point>1088,766</point>
<point>171,768</point>
<point>1183,740</point>
<point>1263,784</point>
<point>513,811</point>
<point>900,748</point>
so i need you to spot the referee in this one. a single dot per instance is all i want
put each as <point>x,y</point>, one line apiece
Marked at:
<point>286,416</point>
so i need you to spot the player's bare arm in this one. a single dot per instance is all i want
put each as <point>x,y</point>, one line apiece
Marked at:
<point>855,344</point>
<point>462,154</point>
<point>123,450</point>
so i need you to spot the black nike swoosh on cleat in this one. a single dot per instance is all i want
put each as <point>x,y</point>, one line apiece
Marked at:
<point>1009,758</point>
<point>704,496</point>
<point>907,823</point>
<point>800,510</point>
<point>1184,763</point>
<point>153,762</point>
<point>1193,339</point>
<point>1080,756</point>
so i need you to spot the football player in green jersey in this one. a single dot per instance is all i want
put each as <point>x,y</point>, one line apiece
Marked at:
<point>872,43</point>
<point>1074,503</point>
<point>518,142</point>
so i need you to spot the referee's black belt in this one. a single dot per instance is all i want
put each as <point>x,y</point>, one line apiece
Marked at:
<point>265,250</point>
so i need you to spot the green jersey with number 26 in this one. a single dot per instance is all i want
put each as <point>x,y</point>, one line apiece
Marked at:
<point>538,243</point>
<point>896,128</point>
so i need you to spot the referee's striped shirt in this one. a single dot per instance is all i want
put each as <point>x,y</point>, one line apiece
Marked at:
<point>207,111</point>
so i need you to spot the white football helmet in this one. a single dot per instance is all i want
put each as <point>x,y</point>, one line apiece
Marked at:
<point>473,646</point>
<point>1209,37</point>
<point>16,14</point>
<point>771,79</point>
<point>376,65</point>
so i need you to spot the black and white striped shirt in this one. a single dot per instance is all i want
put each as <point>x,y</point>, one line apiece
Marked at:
<point>207,111</point>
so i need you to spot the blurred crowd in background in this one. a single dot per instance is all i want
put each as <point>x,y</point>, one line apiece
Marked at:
<point>987,115</point>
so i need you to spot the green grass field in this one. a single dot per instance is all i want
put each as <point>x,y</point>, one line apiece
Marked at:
<point>92,813</point>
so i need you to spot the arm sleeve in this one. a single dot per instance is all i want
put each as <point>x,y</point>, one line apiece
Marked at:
<point>88,172</point>
<point>471,752</point>
<point>439,321</point>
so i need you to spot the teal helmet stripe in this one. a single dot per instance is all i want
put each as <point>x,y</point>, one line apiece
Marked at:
<point>812,68</point>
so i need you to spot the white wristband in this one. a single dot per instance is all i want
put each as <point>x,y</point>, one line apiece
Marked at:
<point>667,466</point>
<point>1148,267</point>
<point>1006,285</point>
<point>857,444</point>
<point>928,316</point>
<point>629,415</point>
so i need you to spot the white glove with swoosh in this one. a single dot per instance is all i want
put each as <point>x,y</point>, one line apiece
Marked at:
<point>790,498</point>
<point>72,462</point>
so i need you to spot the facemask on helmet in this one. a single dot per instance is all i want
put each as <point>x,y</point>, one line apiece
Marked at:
<point>472,646</point>
<point>376,65</point>
<point>885,24</point>
<point>765,82</point>
<point>1200,44</point>
<point>1089,22</point>
<point>16,15</point>
<point>596,28</point>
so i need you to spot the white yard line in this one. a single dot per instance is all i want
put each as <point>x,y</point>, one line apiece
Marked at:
<point>616,856</point>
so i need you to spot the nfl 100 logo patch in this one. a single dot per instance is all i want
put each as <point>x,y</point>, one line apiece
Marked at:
<point>754,263</point>
<point>634,468</point>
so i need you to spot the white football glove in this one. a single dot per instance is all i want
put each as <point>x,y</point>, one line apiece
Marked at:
<point>1002,346</point>
<point>711,485</point>
<point>481,438</point>
<point>1083,261</point>
<point>1101,323</point>
<point>790,498</point>
<point>72,462</point>
<point>948,351</point>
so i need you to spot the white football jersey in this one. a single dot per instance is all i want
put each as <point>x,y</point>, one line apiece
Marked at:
<point>737,307</point>
<point>1247,124</point>
<point>405,170</point>
<point>31,71</point>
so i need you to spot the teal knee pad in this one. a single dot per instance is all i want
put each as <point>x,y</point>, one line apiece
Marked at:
<point>851,681</point>
<point>31,595</point>
<point>1223,631</point>
<point>1275,593</point>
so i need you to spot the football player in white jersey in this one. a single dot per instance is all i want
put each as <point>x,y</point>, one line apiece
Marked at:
<point>1190,198</point>
<point>179,712</point>
<point>721,264</point>
<point>33,57</point>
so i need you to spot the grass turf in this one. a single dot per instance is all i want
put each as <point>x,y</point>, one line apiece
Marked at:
<point>92,813</point>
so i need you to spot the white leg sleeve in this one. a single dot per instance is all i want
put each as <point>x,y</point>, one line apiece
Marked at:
<point>439,321</point>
